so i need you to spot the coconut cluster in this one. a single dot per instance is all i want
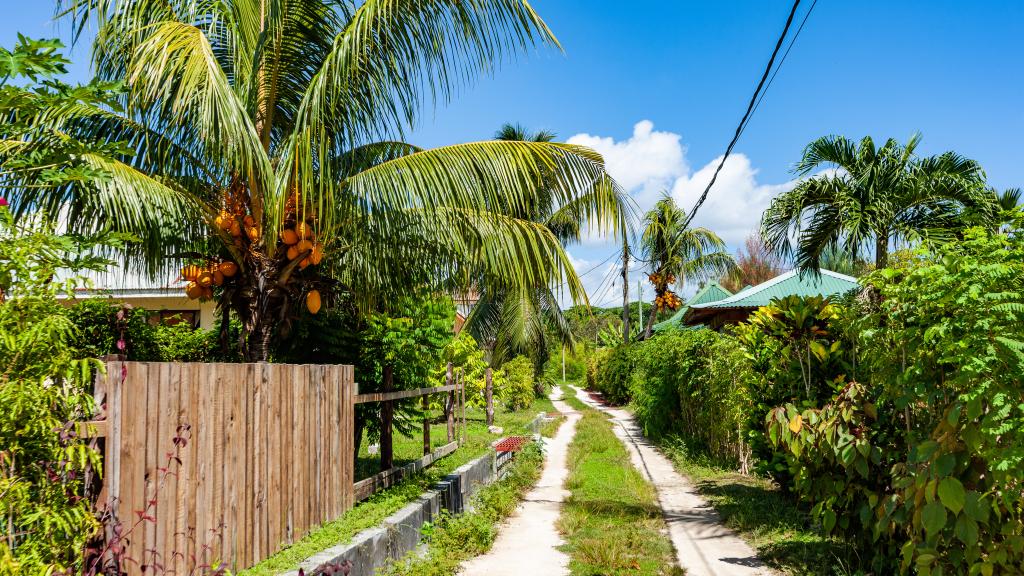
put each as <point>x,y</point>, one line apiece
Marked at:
<point>665,298</point>
<point>297,243</point>
<point>202,279</point>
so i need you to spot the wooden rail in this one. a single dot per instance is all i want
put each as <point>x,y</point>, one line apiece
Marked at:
<point>365,488</point>
<point>401,394</point>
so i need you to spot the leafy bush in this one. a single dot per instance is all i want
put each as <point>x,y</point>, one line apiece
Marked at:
<point>105,326</point>
<point>44,386</point>
<point>610,373</point>
<point>923,465</point>
<point>516,389</point>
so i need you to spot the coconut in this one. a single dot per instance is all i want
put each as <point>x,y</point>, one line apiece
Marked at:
<point>193,290</point>
<point>228,269</point>
<point>289,237</point>
<point>313,301</point>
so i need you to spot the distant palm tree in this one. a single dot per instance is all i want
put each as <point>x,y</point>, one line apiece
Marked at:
<point>873,196</point>
<point>265,135</point>
<point>509,320</point>
<point>676,254</point>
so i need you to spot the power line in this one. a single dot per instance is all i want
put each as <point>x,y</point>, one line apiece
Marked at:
<point>746,115</point>
<point>782,60</point>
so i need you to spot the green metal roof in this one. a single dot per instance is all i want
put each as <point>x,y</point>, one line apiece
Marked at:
<point>829,283</point>
<point>711,292</point>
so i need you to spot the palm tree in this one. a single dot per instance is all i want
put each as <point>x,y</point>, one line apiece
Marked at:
<point>676,254</point>
<point>872,196</point>
<point>267,135</point>
<point>509,320</point>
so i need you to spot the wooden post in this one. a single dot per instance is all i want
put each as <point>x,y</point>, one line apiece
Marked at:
<point>489,396</point>
<point>462,387</point>
<point>387,413</point>
<point>426,425</point>
<point>450,405</point>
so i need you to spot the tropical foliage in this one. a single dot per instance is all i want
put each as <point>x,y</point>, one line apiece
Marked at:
<point>872,197</point>
<point>45,385</point>
<point>265,149</point>
<point>676,253</point>
<point>923,465</point>
<point>896,419</point>
<point>528,320</point>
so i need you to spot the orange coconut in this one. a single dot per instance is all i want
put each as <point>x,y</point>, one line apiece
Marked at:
<point>313,301</point>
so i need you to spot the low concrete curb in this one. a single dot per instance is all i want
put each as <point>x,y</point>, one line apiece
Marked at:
<point>399,534</point>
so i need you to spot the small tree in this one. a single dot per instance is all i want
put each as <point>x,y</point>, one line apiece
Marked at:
<point>755,264</point>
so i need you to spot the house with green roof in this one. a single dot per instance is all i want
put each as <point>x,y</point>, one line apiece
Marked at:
<point>708,293</point>
<point>737,307</point>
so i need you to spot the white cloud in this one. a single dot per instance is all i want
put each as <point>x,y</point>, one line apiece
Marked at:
<point>733,208</point>
<point>645,164</point>
<point>650,161</point>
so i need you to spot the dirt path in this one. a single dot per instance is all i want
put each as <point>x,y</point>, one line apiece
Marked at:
<point>704,546</point>
<point>528,541</point>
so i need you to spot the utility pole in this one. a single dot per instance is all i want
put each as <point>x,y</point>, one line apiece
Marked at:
<point>625,291</point>
<point>640,302</point>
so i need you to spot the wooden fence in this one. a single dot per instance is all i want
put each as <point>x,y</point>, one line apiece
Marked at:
<point>224,462</point>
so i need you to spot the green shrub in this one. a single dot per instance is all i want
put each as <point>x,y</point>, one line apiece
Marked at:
<point>45,384</point>
<point>612,372</point>
<point>182,343</point>
<point>105,326</point>
<point>516,390</point>
<point>922,464</point>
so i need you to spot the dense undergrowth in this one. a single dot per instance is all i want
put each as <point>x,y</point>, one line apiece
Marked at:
<point>892,417</point>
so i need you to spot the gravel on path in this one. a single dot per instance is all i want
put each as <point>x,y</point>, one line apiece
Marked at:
<point>528,542</point>
<point>704,546</point>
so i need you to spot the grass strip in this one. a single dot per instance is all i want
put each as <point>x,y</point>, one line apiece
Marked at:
<point>455,539</point>
<point>782,533</point>
<point>611,521</point>
<point>376,508</point>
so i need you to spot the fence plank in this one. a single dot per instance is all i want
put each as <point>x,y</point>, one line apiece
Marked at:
<point>268,457</point>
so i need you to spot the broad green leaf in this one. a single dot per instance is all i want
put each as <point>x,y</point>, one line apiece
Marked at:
<point>952,494</point>
<point>933,517</point>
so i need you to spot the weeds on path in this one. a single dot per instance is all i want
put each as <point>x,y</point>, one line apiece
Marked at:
<point>611,521</point>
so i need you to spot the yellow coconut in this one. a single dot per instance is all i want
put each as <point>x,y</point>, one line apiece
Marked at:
<point>292,253</point>
<point>253,232</point>
<point>228,269</point>
<point>303,230</point>
<point>191,272</point>
<point>193,290</point>
<point>313,301</point>
<point>205,279</point>
<point>317,255</point>
<point>289,237</point>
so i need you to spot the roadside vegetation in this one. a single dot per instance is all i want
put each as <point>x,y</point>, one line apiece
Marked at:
<point>454,539</point>
<point>872,432</point>
<point>611,521</point>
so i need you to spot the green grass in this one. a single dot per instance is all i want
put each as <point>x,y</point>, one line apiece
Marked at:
<point>375,509</point>
<point>764,516</point>
<point>455,539</point>
<point>611,521</point>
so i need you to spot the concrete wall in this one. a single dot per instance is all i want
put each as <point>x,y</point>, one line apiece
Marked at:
<point>399,534</point>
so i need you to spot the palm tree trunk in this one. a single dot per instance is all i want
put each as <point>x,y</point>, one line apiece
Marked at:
<point>650,322</point>
<point>882,250</point>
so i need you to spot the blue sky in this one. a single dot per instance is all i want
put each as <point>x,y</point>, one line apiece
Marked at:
<point>658,87</point>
